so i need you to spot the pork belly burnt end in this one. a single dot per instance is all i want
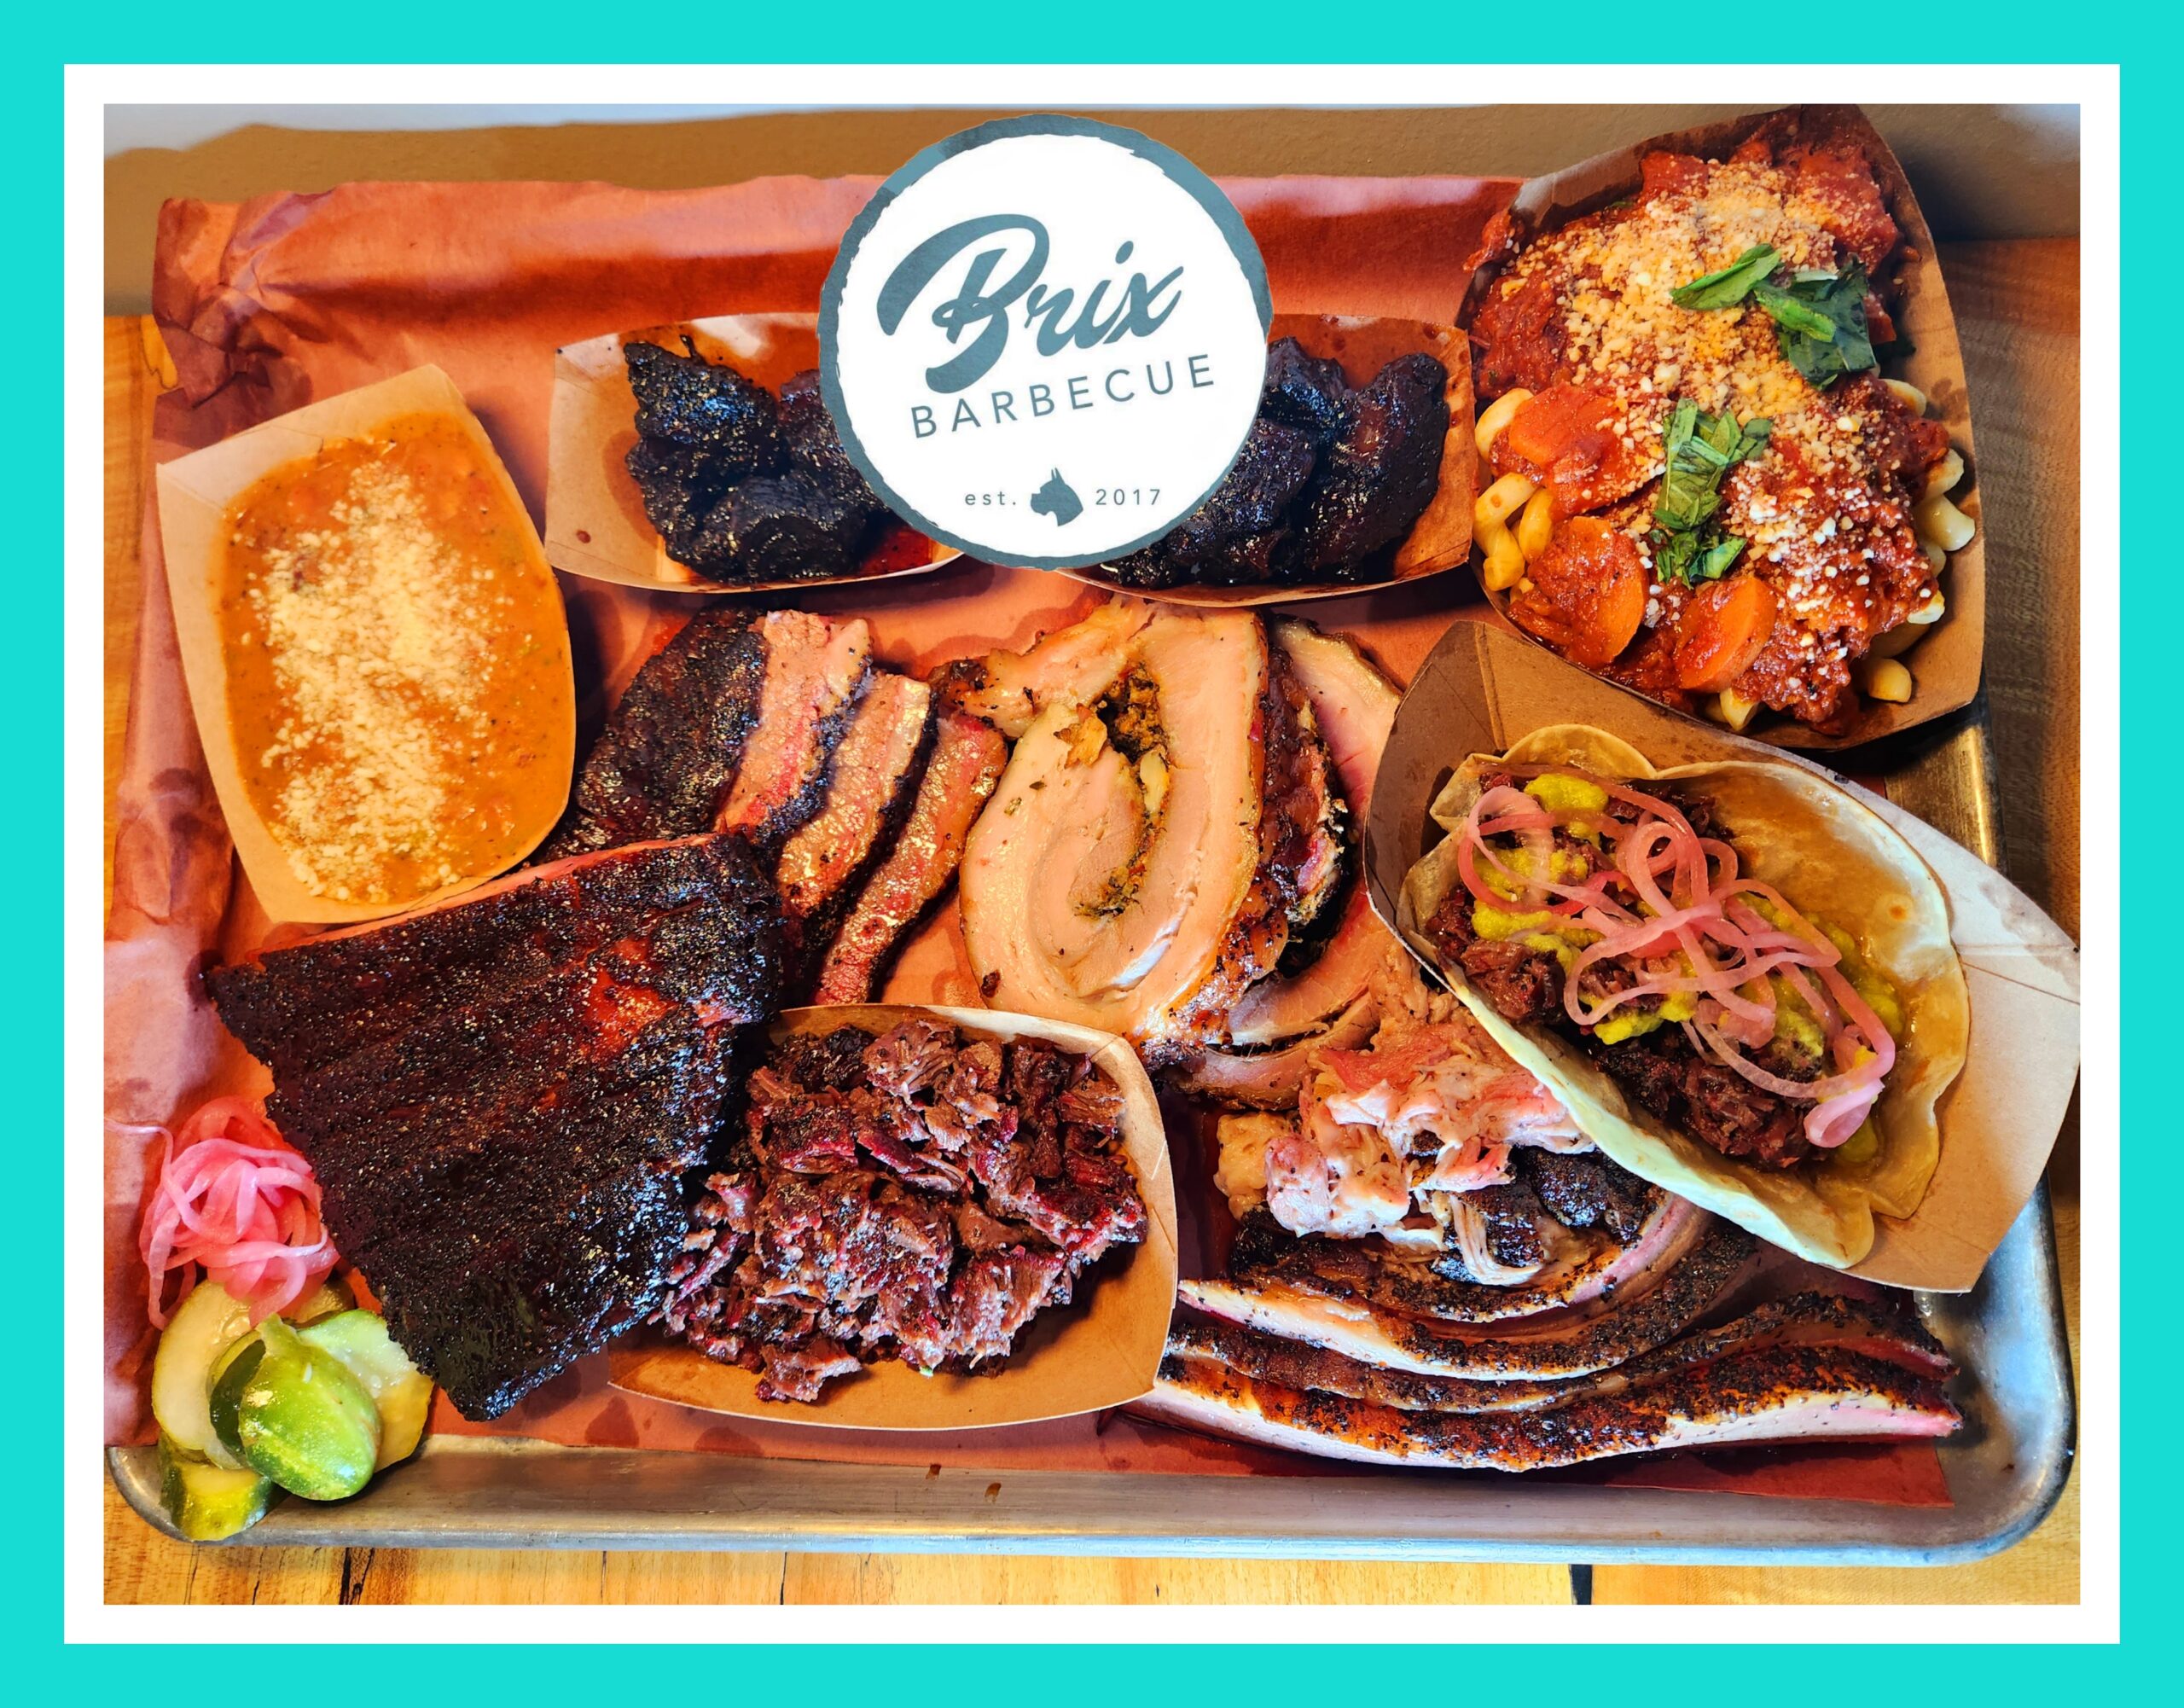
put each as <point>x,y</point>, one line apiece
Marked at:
<point>499,1096</point>
<point>741,488</point>
<point>1329,478</point>
<point>919,1195</point>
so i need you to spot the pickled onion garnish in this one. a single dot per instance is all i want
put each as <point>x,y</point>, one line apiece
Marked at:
<point>237,1203</point>
<point>1671,907</point>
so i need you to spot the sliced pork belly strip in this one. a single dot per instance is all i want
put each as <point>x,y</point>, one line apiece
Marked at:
<point>669,753</point>
<point>816,670</point>
<point>1784,1393</point>
<point>1880,1331</point>
<point>1549,1346</point>
<point>1274,1078</point>
<point>1364,1272</point>
<point>965,763</point>
<point>874,774</point>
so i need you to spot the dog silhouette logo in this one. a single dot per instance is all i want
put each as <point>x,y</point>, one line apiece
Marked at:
<point>1058,499</point>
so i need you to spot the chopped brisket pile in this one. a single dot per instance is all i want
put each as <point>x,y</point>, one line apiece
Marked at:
<point>1330,481</point>
<point>853,787</point>
<point>919,1195</point>
<point>741,487</point>
<point>1659,1070</point>
<point>500,1096</point>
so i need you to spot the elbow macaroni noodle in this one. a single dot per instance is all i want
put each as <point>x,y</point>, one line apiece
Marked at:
<point>1941,527</point>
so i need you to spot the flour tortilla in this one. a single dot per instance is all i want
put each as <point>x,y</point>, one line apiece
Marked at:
<point>1834,861</point>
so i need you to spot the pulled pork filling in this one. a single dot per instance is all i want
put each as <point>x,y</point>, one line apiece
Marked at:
<point>1426,1142</point>
<point>919,1195</point>
<point>1731,1079</point>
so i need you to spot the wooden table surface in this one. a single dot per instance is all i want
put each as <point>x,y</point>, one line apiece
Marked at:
<point>2017,308</point>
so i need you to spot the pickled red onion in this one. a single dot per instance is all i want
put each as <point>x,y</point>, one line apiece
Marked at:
<point>236,1202</point>
<point>1701,915</point>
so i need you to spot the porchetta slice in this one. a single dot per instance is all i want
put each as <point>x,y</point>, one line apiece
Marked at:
<point>1101,883</point>
<point>1353,708</point>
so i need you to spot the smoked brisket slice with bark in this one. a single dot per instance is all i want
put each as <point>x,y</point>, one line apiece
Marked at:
<point>666,759</point>
<point>870,789</point>
<point>730,726</point>
<point>966,759</point>
<point>499,1095</point>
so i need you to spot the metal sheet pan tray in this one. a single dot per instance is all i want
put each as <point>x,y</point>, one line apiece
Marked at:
<point>2004,1469</point>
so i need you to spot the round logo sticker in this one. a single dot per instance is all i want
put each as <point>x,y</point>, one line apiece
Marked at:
<point>1043,340</point>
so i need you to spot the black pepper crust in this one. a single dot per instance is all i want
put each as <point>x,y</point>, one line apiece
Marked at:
<point>499,1097</point>
<point>1553,1344</point>
<point>1875,1330</point>
<point>1850,1396</point>
<point>670,752</point>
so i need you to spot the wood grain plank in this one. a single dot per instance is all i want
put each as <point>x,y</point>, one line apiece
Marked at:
<point>1035,1580</point>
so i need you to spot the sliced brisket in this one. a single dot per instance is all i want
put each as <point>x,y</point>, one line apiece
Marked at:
<point>966,759</point>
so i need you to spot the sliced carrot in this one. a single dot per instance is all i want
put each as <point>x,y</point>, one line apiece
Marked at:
<point>1724,627</point>
<point>1587,595</point>
<point>1566,438</point>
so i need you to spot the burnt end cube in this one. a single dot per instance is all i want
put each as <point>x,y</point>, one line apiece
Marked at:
<point>678,490</point>
<point>1383,466</point>
<point>1240,533</point>
<point>815,442</point>
<point>1302,392</point>
<point>780,527</point>
<point>705,407</point>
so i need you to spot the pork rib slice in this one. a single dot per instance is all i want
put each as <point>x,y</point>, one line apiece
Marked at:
<point>1549,1346</point>
<point>965,762</point>
<point>1779,1394</point>
<point>498,1094</point>
<point>1877,1330</point>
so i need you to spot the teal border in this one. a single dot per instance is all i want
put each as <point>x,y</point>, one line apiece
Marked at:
<point>1201,189</point>
<point>1277,31</point>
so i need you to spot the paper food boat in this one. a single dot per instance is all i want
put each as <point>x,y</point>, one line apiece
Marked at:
<point>1944,664</point>
<point>193,493</point>
<point>1481,688</point>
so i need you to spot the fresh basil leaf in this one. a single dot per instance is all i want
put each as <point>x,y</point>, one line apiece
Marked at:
<point>1727,287</point>
<point>1789,313</point>
<point>1699,450</point>
<point>1840,299</point>
<point>1714,561</point>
